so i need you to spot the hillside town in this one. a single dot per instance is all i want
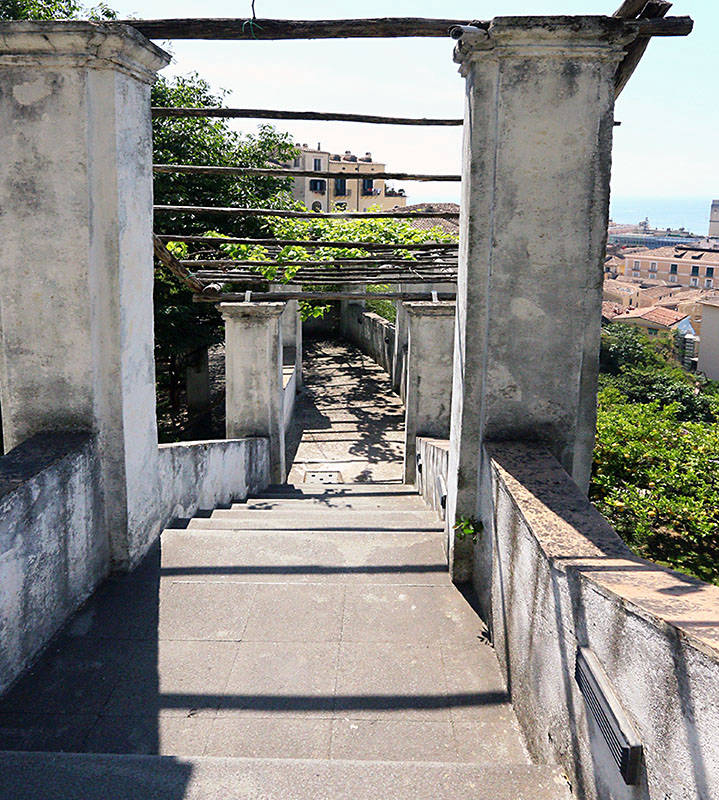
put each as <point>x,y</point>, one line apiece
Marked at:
<point>667,281</point>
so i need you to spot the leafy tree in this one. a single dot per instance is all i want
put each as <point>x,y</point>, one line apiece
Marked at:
<point>656,479</point>
<point>181,326</point>
<point>628,346</point>
<point>52,9</point>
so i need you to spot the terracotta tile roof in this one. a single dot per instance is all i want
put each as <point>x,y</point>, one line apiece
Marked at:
<point>447,225</point>
<point>674,253</point>
<point>660,316</point>
<point>611,310</point>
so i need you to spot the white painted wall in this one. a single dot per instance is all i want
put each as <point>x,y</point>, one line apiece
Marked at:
<point>709,344</point>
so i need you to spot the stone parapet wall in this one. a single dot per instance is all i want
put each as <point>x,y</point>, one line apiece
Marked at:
<point>53,547</point>
<point>203,475</point>
<point>432,470</point>
<point>373,334</point>
<point>552,575</point>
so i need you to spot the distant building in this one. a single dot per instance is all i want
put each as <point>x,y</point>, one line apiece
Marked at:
<point>709,352</point>
<point>684,265</point>
<point>642,235</point>
<point>353,194</point>
<point>655,319</point>
<point>714,219</point>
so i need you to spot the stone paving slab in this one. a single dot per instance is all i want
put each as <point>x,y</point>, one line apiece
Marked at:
<point>323,556</point>
<point>39,776</point>
<point>314,622</point>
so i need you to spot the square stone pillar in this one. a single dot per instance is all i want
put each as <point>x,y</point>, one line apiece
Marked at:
<point>428,398</point>
<point>76,258</point>
<point>291,324</point>
<point>538,127</point>
<point>401,330</point>
<point>253,377</point>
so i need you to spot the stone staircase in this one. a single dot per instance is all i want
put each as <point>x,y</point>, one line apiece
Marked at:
<point>340,662</point>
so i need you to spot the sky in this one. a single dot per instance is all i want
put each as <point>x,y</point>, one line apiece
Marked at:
<point>666,146</point>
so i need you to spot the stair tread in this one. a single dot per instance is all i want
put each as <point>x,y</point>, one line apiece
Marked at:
<point>61,776</point>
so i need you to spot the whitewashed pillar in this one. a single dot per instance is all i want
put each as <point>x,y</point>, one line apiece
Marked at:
<point>428,397</point>
<point>253,377</point>
<point>76,261</point>
<point>535,197</point>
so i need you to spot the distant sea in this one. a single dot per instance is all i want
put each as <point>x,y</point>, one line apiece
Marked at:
<point>691,213</point>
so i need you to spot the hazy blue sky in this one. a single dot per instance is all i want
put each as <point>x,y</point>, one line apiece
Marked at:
<point>666,146</point>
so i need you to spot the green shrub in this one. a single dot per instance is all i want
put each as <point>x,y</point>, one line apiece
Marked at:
<point>656,479</point>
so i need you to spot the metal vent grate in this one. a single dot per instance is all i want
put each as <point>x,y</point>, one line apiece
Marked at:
<point>623,742</point>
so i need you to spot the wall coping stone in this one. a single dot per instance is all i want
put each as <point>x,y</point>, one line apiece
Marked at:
<point>35,455</point>
<point>574,536</point>
<point>251,310</point>
<point>81,44</point>
<point>429,308</point>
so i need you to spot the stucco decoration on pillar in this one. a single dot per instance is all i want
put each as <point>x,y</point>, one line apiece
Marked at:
<point>253,377</point>
<point>76,263</point>
<point>538,127</point>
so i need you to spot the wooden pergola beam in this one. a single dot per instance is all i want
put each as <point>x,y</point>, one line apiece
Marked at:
<point>652,11</point>
<point>270,212</point>
<point>263,29</point>
<point>281,172</point>
<point>279,297</point>
<point>160,112</point>
<point>375,28</point>
<point>312,244</point>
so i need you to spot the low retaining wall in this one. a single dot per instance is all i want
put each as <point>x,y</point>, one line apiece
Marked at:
<point>552,575</point>
<point>51,556</point>
<point>432,469</point>
<point>195,475</point>
<point>373,335</point>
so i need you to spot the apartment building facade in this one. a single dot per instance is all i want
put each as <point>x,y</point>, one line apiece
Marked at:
<point>345,191</point>
<point>691,267</point>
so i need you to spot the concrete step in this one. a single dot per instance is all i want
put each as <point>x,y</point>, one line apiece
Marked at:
<point>300,489</point>
<point>60,776</point>
<point>304,556</point>
<point>338,520</point>
<point>324,501</point>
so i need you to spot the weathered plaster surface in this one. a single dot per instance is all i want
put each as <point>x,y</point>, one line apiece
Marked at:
<point>76,208</point>
<point>203,475</point>
<point>253,374</point>
<point>373,335</point>
<point>535,197</point>
<point>53,541</point>
<point>428,396</point>
<point>553,575</point>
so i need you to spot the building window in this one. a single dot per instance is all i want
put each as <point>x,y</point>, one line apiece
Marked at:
<point>673,269</point>
<point>653,331</point>
<point>636,273</point>
<point>340,187</point>
<point>636,265</point>
<point>694,281</point>
<point>653,266</point>
<point>297,162</point>
<point>318,165</point>
<point>672,278</point>
<point>318,186</point>
<point>695,270</point>
<point>708,283</point>
<point>710,272</point>
<point>367,186</point>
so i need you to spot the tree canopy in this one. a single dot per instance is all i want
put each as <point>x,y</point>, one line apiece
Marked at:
<point>655,474</point>
<point>52,9</point>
